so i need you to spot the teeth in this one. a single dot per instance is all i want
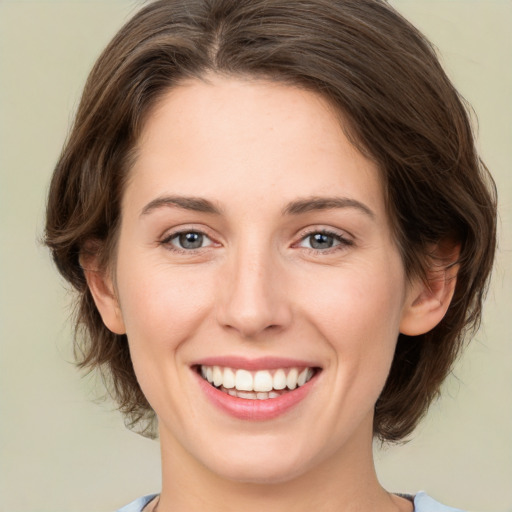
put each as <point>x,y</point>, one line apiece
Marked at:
<point>246,395</point>
<point>263,381</point>
<point>261,384</point>
<point>279,380</point>
<point>291,379</point>
<point>217,376</point>
<point>301,379</point>
<point>243,380</point>
<point>229,378</point>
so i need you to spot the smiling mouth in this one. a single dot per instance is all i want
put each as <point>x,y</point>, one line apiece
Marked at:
<point>256,385</point>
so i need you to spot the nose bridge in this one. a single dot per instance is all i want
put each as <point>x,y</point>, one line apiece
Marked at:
<point>253,301</point>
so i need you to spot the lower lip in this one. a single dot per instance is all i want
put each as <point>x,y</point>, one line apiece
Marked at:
<point>255,410</point>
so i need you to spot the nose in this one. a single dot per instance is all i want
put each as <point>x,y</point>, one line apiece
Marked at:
<point>254,299</point>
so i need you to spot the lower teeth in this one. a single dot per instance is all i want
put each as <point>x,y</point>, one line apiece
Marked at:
<point>252,395</point>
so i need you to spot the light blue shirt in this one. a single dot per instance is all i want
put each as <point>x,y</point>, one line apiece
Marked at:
<point>422,503</point>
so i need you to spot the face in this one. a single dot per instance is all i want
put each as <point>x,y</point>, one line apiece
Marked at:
<point>255,253</point>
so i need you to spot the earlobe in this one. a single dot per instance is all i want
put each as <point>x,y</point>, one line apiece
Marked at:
<point>428,301</point>
<point>102,290</point>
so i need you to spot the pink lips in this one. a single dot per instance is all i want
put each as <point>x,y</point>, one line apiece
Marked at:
<point>254,410</point>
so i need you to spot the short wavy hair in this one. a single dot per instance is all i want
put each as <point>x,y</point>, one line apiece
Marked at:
<point>399,109</point>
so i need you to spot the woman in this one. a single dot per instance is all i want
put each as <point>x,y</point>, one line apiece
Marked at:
<point>280,231</point>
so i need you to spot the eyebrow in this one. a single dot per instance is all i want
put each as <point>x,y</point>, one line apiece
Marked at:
<point>197,204</point>
<point>325,203</point>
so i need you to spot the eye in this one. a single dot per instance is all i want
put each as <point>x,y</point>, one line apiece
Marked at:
<point>323,240</point>
<point>188,240</point>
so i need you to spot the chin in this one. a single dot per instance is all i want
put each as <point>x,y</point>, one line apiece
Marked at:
<point>247,472</point>
<point>258,464</point>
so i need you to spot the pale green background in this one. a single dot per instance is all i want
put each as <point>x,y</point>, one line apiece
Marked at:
<point>59,451</point>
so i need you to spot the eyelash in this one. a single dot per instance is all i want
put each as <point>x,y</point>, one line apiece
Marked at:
<point>167,241</point>
<point>340,241</point>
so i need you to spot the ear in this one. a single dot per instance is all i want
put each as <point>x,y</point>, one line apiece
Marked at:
<point>103,292</point>
<point>428,300</point>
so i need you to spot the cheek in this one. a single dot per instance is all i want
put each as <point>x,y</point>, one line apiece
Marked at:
<point>358,311</point>
<point>162,307</point>
<point>161,304</point>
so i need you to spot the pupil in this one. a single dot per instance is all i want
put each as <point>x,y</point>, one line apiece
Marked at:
<point>321,241</point>
<point>191,240</point>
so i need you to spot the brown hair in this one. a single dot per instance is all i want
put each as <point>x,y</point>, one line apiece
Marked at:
<point>402,111</point>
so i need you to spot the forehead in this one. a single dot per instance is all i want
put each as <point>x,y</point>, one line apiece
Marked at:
<point>242,140</point>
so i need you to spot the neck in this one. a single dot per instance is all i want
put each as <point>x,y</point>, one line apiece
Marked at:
<point>341,482</point>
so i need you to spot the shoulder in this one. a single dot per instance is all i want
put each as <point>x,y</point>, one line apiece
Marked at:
<point>138,504</point>
<point>424,503</point>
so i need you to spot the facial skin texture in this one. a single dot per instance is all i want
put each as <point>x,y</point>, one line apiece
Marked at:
<point>257,289</point>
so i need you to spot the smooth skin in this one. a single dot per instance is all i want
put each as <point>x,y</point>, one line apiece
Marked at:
<point>252,227</point>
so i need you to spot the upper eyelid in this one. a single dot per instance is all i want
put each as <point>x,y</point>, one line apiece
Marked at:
<point>170,233</point>
<point>326,233</point>
<point>175,234</point>
<point>341,233</point>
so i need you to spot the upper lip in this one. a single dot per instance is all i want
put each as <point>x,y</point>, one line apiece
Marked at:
<point>259,363</point>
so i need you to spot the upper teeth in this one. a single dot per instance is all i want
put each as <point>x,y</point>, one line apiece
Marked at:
<point>260,381</point>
